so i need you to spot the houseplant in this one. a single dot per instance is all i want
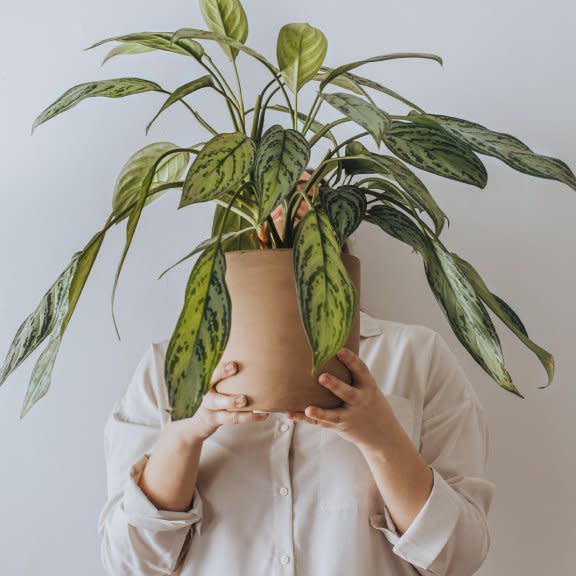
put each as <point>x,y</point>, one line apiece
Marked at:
<point>251,170</point>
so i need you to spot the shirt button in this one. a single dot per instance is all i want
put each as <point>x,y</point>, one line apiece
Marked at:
<point>283,491</point>
<point>284,559</point>
<point>284,427</point>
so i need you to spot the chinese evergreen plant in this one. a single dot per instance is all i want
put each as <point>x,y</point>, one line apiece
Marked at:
<point>252,170</point>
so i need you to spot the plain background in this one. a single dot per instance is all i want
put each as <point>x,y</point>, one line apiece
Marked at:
<point>507,65</point>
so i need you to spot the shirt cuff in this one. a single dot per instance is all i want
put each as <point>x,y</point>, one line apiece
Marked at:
<point>429,531</point>
<point>141,513</point>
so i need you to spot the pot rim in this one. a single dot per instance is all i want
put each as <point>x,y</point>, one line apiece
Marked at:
<point>266,250</point>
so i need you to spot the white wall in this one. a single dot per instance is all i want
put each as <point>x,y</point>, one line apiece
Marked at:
<point>508,65</point>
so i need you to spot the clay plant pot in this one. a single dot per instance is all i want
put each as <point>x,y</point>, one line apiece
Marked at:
<point>267,338</point>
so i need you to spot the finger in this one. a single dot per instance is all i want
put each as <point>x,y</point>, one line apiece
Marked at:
<point>215,401</point>
<point>328,415</point>
<point>348,393</point>
<point>223,370</point>
<point>355,364</point>
<point>238,417</point>
<point>303,417</point>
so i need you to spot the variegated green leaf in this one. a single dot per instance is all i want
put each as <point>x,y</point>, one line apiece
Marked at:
<point>433,149</point>
<point>200,335</point>
<point>300,51</point>
<point>327,297</point>
<point>408,181</point>
<point>136,211</point>
<point>340,81</point>
<point>389,192</point>
<point>341,70</point>
<point>345,207</point>
<point>41,377</point>
<point>226,17</point>
<point>222,165</point>
<point>129,182</point>
<point>112,88</point>
<point>156,41</point>
<point>506,314</point>
<point>280,158</point>
<point>41,322</point>
<point>181,92</point>
<point>502,146</point>
<point>50,318</point>
<point>397,225</point>
<point>130,48</point>
<point>365,114</point>
<point>466,313</point>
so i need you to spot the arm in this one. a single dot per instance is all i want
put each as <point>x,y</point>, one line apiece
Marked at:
<point>137,536</point>
<point>449,534</point>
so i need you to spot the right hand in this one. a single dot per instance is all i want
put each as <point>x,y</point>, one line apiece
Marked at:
<point>212,412</point>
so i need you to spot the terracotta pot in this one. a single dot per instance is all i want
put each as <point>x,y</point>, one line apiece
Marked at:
<point>267,338</point>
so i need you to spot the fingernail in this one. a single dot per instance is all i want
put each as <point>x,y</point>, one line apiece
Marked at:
<point>240,400</point>
<point>229,367</point>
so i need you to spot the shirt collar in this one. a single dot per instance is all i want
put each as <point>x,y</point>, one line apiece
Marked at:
<point>368,325</point>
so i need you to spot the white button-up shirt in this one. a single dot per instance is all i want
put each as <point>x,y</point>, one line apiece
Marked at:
<point>287,498</point>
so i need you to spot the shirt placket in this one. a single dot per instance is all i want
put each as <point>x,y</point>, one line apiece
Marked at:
<point>282,497</point>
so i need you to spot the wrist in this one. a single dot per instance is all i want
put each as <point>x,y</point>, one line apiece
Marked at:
<point>185,435</point>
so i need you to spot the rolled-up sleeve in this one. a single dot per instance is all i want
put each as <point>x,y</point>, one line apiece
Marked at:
<point>137,537</point>
<point>450,535</point>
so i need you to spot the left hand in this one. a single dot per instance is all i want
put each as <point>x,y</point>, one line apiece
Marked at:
<point>366,418</point>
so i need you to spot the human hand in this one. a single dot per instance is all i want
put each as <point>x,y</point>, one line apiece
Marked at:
<point>366,418</point>
<point>217,409</point>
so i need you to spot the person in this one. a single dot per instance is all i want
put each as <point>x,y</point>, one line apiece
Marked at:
<point>393,482</point>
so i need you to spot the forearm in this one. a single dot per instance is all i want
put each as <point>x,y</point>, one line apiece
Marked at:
<point>401,474</point>
<point>170,475</point>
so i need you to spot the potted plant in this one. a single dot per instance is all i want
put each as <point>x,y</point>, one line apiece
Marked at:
<point>251,171</point>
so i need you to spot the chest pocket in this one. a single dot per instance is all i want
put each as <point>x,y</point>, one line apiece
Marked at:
<point>345,480</point>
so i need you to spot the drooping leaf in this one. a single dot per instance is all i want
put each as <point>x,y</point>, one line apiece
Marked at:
<point>300,51</point>
<point>129,182</point>
<point>502,146</point>
<point>392,167</point>
<point>135,213</point>
<point>345,207</point>
<point>226,17</point>
<point>156,41</point>
<point>466,314</point>
<point>433,149</point>
<point>365,114</point>
<point>200,335</point>
<point>341,70</point>
<point>181,92</point>
<point>49,314</point>
<point>222,164</point>
<point>397,225</point>
<point>506,314</point>
<point>280,158</point>
<point>111,88</point>
<point>327,297</point>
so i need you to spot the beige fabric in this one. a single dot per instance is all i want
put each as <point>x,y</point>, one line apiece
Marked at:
<point>286,498</point>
